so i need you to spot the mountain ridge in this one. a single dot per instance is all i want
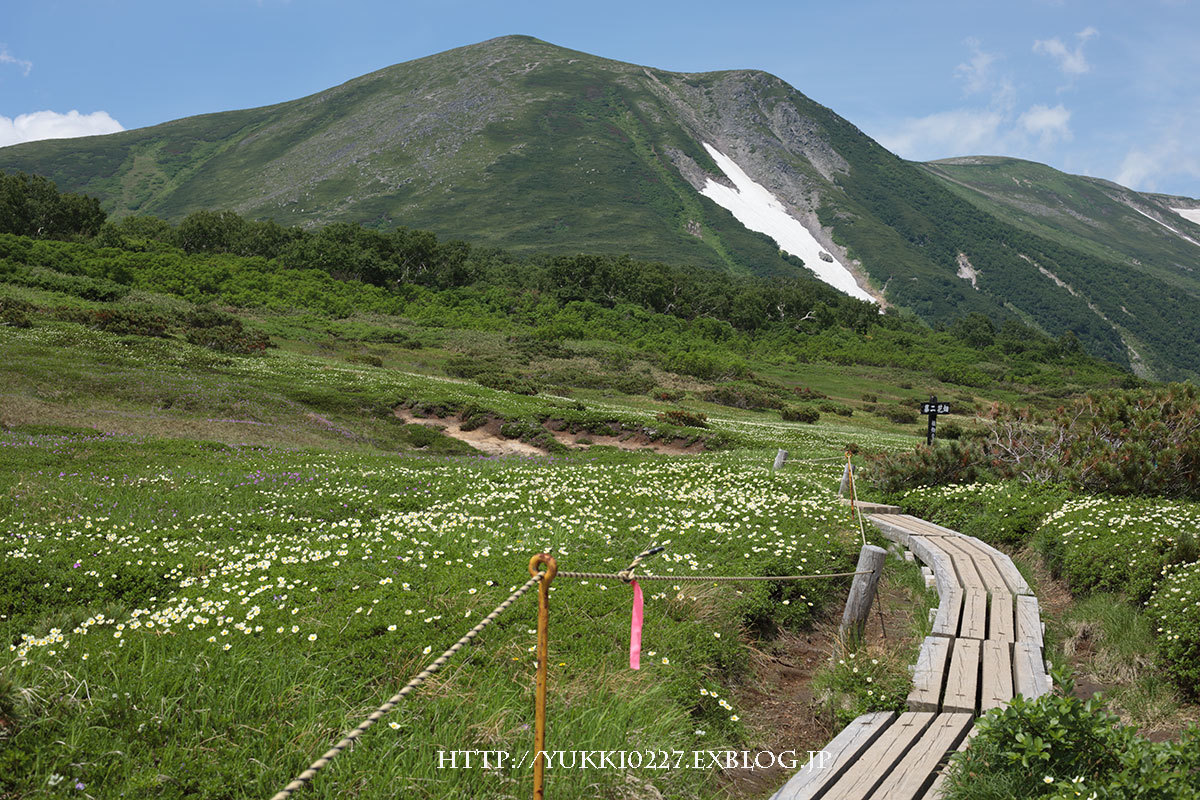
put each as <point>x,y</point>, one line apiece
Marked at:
<point>523,145</point>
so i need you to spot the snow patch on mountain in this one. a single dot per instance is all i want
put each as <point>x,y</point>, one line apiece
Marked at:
<point>755,207</point>
<point>1190,214</point>
<point>1178,233</point>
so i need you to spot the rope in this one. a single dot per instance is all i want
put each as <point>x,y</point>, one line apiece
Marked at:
<point>351,737</point>
<point>714,578</point>
<point>627,573</point>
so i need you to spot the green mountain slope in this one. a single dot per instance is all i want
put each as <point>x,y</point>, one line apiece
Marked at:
<point>1095,216</point>
<point>520,144</point>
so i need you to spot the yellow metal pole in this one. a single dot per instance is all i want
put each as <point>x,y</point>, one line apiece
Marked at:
<point>543,646</point>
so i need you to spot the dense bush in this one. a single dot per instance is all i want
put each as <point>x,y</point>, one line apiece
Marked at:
<point>1140,442</point>
<point>830,407</point>
<point>1175,610</point>
<point>126,321</point>
<point>1059,746</point>
<point>946,463</point>
<point>901,415</point>
<point>686,419</point>
<point>744,395</point>
<point>364,358</point>
<point>15,313</point>
<point>799,414</point>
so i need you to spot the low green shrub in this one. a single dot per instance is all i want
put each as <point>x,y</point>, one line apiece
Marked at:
<point>830,407</point>
<point>946,463</point>
<point>125,321</point>
<point>1116,544</point>
<point>901,415</point>
<point>230,339</point>
<point>1007,513</point>
<point>799,414</point>
<point>1059,746</point>
<point>949,430</point>
<point>473,416</point>
<point>364,358</point>
<point>743,395</point>
<point>1175,609</point>
<point>686,419</point>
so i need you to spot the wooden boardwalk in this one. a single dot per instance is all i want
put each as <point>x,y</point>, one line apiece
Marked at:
<point>985,647</point>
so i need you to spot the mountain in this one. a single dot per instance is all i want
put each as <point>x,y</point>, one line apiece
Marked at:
<point>1158,235</point>
<point>519,144</point>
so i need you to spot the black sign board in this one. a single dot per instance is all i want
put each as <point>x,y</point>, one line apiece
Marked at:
<point>932,409</point>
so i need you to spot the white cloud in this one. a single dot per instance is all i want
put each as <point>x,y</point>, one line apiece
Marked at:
<point>52,125</point>
<point>1146,167</point>
<point>1071,62</point>
<point>979,76</point>
<point>947,133</point>
<point>965,132</point>
<point>8,58</point>
<point>976,73</point>
<point>1050,125</point>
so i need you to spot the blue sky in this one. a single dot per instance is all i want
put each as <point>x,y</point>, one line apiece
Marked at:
<point>1110,89</point>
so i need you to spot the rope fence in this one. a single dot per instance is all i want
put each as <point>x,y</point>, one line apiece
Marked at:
<point>626,575</point>
<point>713,578</point>
<point>351,737</point>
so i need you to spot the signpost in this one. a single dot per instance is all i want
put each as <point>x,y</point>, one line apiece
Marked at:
<point>932,409</point>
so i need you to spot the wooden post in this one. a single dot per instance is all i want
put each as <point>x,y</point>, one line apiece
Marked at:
<point>780,457</point>
<point>862,592</point>
<point>539,714</point>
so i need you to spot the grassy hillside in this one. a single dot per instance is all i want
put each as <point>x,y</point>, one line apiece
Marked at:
<point>1094,216</point>
<point>240,550</point>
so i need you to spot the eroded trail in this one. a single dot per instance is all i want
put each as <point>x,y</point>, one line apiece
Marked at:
<point>488,439</point>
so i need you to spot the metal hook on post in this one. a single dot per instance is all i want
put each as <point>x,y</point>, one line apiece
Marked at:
<point>543,647</point>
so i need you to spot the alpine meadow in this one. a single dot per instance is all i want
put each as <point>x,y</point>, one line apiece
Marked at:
<point>292,396</point>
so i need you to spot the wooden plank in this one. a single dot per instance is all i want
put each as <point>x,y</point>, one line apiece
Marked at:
<point>843,750</point>
<point>934,792</point>
<point>964,565</point>
<point>974,615</point>
<point>878,759</point>
<point>915,771</point>
<point>925,527</point>
<point>1004,565</point>
<point>938,560</point>
<point>962,681</point>
<point>1029,622</point>
<point>997,687</point>
<point>873,508</point>
<point>1029,673</point>
<point>945,621</point>
<point>888,527</point>
<point>930,674</point>
<point>1000,621</point>
<point>992,579</point>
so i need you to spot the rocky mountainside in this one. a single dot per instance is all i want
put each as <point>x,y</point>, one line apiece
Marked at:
<point>523,145</point>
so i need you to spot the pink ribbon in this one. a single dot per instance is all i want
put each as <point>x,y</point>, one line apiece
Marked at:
<point>635,629</point>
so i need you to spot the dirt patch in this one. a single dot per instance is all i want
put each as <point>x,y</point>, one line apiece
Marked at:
<point>627,441</point>
<point>779,704</point>
<point>487,438</point>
